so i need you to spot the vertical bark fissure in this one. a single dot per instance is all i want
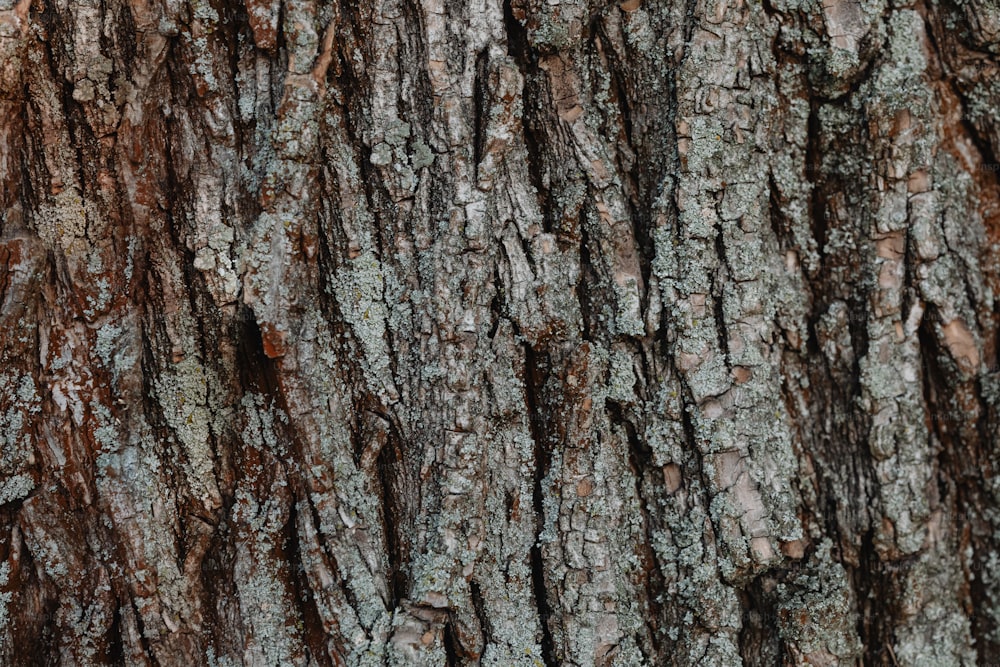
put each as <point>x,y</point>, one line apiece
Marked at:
<point>962,467</point>
<point>535,378</point>
<point>719,279</point>
<point>147,650</point>
<point>479,610</point>
<point>587,277</point>
<point>758,642</point>
<point>879,587</point>
<point>480,96</point>
<point>524,56</point>
<point>817,204</point>
<point>389,460</point>
<point>314,633</point>
<point>451,646</point>
<point>640,464</point>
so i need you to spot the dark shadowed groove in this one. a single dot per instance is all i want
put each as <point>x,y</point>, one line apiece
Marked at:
<point>238,25</point>
<point>857,325</point>
<point>519,48</point>
<point>844,466</point>
<point>451,645</point>
<point>641,225</point>
<point>116,649</point>
<point>817,201</point>
<point>421,105</point>
<point>480,99</point>
<point>314,635</point>
<point>141,630</point>
<point>760,645</point>
<point>25,194</point>
<point>217,570</point>
<point>641,466</point>
<point>689,22</point>
<point>536,370</point>
<point>124,45</point>
<point>328,235</point>
<point>541,601</point>
<point>877,585</point>
<point>151,335</point>
<point>209,329</point>
<point>643,178</point>
<point>588,276</point>
<point>718,283</point>
<point>983,146</point>
<point>389,470</point>
<point>620,90</point>
<point>496,303</point>
<point>692,467</point>
<point>479,609</point>
<point>776,216</point>
<point>27,625</point>
<point>963,469</point>
<point>256,370</point>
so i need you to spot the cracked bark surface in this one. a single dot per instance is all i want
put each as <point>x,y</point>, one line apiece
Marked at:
<point>423,332</point>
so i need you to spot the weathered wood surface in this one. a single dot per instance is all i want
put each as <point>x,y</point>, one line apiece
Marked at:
<point>431,332</point>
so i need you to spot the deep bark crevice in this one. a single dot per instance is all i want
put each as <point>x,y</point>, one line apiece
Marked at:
<point>533,131</point>
<point>314,634</point>
<point>452,648</point>
<point>116,648</point>
<point>640,460</point>
<point>217,569</point>
<point>147,649</point>
<point>719,279</point>
<point>480,99</point>
<point>817,201</point>
<point>877,584</point>
<point>479,610</point>
<point>758,640</point>
<point>588,277</point>
<point>390,471</point>
<point>962,467</point>
<point>536,371</point>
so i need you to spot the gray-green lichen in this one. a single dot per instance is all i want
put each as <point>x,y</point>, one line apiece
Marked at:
<point>183,393</point>
<point>63,221</point>
<point>274,635</point>
<point>936,630</point>
<point>360,293</point>
<point>259,430</point>
<point>15,487</point>
<point>5,596</point>
<point>901,111</point>
<point>117,347</point>
<point>722,288</point>
<point>16,441</point>
<point>816,612</point>
<point>621,377</point>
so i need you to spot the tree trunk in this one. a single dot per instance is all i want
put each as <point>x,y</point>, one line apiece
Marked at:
<point>429,332</point>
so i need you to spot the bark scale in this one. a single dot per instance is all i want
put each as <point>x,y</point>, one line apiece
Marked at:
<point>399,332</point>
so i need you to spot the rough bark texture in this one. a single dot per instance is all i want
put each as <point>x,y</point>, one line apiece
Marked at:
<point>438,332</point>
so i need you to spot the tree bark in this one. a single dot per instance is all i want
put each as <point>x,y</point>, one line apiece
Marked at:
<point>429,332</point>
